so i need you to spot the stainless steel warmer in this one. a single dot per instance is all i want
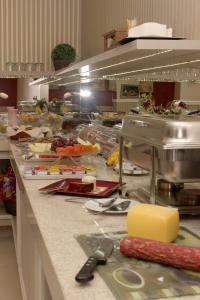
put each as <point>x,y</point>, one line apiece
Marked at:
<point>168,146</point>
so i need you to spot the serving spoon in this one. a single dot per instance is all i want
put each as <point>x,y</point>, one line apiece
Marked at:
<point>106,204</point>
<point>122,206</point>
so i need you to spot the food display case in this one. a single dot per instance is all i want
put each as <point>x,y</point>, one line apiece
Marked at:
<point>31,118</point>
<point>97,133</point>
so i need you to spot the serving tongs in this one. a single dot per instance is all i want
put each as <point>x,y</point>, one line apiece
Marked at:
<point>115,207</point>
<point>107,203</point>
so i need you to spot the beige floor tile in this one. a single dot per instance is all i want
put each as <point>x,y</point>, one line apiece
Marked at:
<point>9,278</point>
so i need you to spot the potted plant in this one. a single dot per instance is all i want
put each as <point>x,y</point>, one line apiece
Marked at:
<point>62,55</point>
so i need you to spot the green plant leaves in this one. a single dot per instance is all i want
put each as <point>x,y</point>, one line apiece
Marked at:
<point>63,52</point>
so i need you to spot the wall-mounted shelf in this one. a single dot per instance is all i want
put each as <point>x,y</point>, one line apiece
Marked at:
<point>26,74</point>
<point>137,58</point>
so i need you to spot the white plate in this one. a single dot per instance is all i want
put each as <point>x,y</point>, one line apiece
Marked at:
<point>133,171</point>
<point>94,205</point>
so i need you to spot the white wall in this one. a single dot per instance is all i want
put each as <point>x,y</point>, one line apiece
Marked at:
<point>26,92</point>
<point>187,91</point>
<point>29,29</point>
<point>101,16</point>
<point>124,105</point>
<point>44,92</point>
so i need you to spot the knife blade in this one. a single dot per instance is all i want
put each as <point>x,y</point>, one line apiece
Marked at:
<point>99,257</point>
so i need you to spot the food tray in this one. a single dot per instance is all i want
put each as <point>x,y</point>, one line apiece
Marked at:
<point>49,158</point>
<point>59,176</point>
<point>131,169</point>
<point>56,171</point>
<point>104,188</point>
<point>50,153</point>
<point>74,150</point>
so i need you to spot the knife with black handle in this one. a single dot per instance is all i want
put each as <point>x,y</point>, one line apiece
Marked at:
<point>99,258</point>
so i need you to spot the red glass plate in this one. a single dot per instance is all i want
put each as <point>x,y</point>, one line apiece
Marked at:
<point>104,188</point>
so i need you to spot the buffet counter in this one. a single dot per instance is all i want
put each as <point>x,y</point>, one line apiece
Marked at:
<point>4,147</point>
<point>48,254</point>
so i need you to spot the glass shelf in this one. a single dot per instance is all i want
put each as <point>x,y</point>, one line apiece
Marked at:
<point>142,59</point>
<point>25,74</point>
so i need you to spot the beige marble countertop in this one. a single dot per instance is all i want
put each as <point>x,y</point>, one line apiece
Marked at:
<point>59,221</point>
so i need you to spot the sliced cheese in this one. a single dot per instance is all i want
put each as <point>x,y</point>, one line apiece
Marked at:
<point>153,222</point>
<point>82,142</point>
<point>40,147</point>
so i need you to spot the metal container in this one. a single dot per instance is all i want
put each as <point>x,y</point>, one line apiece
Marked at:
<point>164,185</point>
<point>174,143</point>
<point>56,106</point>
<point>27,106</point>
<point>61,107</point>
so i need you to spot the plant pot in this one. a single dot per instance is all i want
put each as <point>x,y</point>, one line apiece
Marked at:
<point>10,206</point>
<point>59,64</point>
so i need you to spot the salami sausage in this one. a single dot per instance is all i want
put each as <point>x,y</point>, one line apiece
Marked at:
<point>178,256</point>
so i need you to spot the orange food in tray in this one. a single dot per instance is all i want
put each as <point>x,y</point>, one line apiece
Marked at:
<point>76,148</point>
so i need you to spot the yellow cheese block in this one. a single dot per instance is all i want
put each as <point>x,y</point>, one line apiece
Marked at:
<point>153,222</point>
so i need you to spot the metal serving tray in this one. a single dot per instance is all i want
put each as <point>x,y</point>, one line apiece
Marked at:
<point>176,143</point>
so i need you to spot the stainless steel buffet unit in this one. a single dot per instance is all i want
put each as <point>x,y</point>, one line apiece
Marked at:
<point>169,146</point>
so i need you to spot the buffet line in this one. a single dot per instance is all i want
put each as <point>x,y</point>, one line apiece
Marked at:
<point>166,148</point>
<point>136,144</point>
